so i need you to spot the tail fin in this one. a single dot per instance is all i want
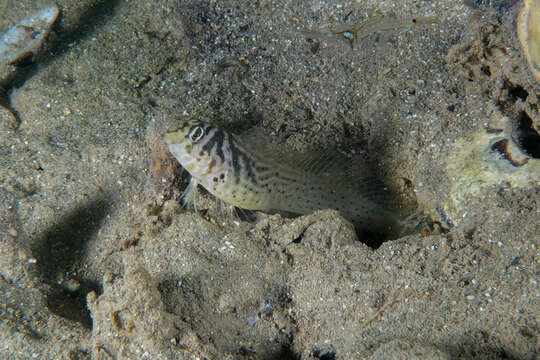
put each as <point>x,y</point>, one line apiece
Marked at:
<point>421,222</point>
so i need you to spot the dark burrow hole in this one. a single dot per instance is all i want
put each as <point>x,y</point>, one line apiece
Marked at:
<point>371,238</point>
<point>516,92</point>
<point>526,137</point>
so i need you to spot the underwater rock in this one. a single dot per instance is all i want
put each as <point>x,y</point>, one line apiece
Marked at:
<point>528,31</point>
<point>25,39</point>
<point>27,35</point>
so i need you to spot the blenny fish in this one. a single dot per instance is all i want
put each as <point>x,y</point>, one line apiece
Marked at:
<point>252,177</point>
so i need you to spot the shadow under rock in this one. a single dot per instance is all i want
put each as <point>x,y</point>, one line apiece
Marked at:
<point>58,252</point>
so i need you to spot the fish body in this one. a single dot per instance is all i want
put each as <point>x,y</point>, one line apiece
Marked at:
<point>250,178</point>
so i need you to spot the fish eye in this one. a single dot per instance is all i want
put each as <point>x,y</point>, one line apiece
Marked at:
<point>348,34</point>
<point>196,133</point>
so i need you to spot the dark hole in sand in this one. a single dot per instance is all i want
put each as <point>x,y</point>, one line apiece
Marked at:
<point>517,92</point>
<point>372,239</point>
<point>526,137</point>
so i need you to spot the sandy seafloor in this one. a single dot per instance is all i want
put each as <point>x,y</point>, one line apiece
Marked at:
<point>99,261</point>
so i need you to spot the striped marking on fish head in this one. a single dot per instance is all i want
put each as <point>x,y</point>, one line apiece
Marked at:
<point>202,150</point>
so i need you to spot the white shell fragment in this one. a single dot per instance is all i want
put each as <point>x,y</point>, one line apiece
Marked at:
<point>27,35</point>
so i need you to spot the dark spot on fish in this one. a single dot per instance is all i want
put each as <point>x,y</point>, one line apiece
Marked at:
<point>249,169</point>
<point>215,179</point>
<point>215,140</point>
<point>222,176</point>
<point>235,160</point>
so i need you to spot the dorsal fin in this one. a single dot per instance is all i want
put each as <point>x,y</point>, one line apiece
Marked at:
<point>313,162</point>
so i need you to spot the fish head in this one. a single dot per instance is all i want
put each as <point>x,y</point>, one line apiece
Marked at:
<point>199,148</point>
